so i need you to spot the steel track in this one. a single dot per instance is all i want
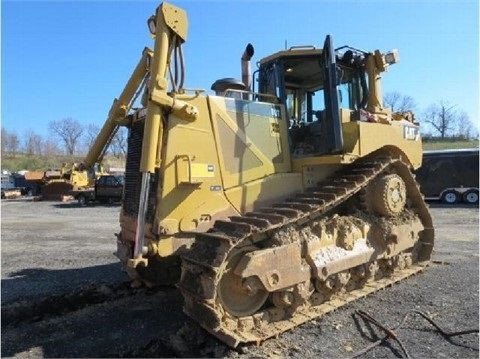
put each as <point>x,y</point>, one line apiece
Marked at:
<point>202,267</point>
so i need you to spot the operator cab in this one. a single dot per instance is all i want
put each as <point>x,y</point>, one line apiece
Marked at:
<point>313,84</point>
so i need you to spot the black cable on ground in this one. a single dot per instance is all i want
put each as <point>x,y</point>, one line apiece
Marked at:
<point>391,333</point>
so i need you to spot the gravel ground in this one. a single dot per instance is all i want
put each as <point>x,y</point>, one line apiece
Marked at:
<point>62,251</point>
<point>50,247</point>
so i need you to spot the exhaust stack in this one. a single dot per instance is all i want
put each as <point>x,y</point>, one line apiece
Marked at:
<point>246,68</point>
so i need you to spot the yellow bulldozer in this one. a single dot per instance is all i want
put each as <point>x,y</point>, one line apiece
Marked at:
<point>72,176</point>
<point>279,198</point>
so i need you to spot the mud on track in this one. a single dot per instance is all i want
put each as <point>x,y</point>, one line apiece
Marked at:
<point>63,295</point>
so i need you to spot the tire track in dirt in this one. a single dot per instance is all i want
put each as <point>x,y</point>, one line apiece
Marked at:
<point>28,311</point>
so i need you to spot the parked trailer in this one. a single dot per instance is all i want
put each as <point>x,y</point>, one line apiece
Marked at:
<point>450,175</point>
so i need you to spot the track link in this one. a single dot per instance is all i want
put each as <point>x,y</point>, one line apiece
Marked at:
<point>204,265</point>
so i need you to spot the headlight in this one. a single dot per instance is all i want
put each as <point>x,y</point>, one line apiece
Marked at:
<point>392,57</point>
<point>152,25</point>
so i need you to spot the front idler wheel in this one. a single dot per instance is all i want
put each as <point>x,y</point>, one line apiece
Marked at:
<point>239,296</point>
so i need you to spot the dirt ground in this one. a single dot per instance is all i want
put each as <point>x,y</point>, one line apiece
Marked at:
<point>63,295</point>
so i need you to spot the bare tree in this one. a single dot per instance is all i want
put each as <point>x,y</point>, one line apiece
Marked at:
<point>91,134</point>
<point>37,141</point>
<point>4,140</point>
<point>118,146</point>
<point>398,102</point>
<point>50,148</point>
<point>10,143</point>
<point>69,131</point>
<point>444,119</point>
<point>32,143</point>
<point>465,128</point>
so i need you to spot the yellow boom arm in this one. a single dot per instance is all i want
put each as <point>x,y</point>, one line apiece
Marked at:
<point>169,27</point>
<point>119,110</point>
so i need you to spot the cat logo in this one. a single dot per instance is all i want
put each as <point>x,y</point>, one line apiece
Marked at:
<point>411,133</point>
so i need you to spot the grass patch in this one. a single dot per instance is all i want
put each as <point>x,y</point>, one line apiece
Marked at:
<point>430,145</point>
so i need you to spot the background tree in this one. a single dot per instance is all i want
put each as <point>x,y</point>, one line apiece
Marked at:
<point>32,143</point>
<point>69,131</point>
<point>10,143</point>
<point>4,140</point>
<point>445,119</point>
<point>398,102</point>
<point>91,134</point>
<point>118,146</point>
<point>465,128</point>
<point>50,148</point>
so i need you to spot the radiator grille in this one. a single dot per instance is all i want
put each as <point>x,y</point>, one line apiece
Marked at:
<point>133,177</point>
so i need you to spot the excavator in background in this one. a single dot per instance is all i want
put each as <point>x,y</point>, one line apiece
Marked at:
<point>267,206</point>
<point>75,178</point>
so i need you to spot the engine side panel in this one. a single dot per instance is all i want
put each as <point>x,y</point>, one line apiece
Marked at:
<point>363,138</point>
<point>251,138</point>
<point>253,151</point>
<point>192,191</point>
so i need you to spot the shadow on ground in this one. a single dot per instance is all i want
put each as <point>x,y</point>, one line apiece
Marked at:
<point>32,283</point>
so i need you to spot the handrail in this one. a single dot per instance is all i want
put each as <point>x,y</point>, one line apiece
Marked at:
<point>302,47</point>
<point>252,93</point>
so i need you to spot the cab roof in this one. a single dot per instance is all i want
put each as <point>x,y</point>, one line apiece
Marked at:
<point>295,51</point>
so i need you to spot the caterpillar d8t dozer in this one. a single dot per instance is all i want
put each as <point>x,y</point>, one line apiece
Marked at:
<point>269,204</point>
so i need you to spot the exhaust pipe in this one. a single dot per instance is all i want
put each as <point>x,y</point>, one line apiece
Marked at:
<point>246,68</point>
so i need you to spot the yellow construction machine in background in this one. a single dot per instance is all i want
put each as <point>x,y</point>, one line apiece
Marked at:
<point>72,176</point>
<point>81,176</point>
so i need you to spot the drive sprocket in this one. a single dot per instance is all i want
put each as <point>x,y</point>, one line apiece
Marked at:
<point>388,195</point>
